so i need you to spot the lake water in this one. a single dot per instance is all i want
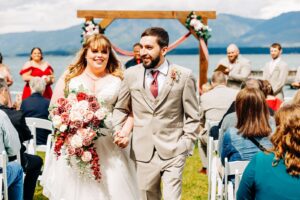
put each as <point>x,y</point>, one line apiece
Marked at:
<point>59,64</point>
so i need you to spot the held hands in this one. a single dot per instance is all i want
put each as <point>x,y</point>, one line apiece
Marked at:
<point>121,139</point>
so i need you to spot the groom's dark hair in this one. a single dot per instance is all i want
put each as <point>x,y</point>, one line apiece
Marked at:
<point>161,34</point>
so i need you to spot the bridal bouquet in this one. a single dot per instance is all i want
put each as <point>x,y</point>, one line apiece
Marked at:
<point>77,122</point>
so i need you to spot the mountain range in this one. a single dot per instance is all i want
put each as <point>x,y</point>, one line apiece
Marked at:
<point>245,32</point>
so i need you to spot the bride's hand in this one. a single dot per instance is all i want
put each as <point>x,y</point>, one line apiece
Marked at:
<point>121,139</point>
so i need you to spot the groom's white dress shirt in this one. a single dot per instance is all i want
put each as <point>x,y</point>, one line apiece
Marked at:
<point>161,78</point>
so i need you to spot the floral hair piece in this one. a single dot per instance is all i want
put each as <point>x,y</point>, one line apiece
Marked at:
<point>195,22</point>
<point>89,28</point>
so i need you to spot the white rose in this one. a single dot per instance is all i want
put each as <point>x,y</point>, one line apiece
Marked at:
<point>86,156</point>
<point>100,114</point>
<point>75,116</point>
<point>63,127</point>
<point>193,22</point>
<point>76,141</point>
<point>198,26</point>
<point>83,104</point>
<point>56,120</point>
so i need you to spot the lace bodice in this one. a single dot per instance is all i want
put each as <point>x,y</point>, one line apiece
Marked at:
<point>105,88</point>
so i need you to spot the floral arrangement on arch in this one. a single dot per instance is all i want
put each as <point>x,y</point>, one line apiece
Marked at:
<point>89,28</point>
<point>77,121</point>
<point>195,22</point>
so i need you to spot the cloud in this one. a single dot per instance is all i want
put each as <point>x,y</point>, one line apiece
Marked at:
<point>29,15</point>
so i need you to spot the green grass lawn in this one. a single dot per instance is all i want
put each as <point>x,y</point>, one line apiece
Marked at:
<point>194,184</point>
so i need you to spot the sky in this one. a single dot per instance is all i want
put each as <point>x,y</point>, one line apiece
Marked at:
<point>43,15</point>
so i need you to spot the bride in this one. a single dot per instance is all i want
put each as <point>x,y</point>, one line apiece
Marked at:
<point>98,71</point>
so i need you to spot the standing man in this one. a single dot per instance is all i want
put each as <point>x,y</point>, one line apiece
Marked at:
<point>238,67</point>
<point>276,71</point>
<point>136,56</point>
<point>162,98</point>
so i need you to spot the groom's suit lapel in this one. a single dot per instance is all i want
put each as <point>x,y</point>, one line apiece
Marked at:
<point>166,87</point>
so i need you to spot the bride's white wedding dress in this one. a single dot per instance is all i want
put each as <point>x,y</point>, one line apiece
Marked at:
<point>118,181</point>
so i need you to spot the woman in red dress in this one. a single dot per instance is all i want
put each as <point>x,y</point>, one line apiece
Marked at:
<point>37,67</point>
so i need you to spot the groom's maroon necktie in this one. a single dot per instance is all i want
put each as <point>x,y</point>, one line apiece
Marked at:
<point>154,84</point>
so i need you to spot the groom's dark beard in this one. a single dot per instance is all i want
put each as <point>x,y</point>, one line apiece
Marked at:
<point>152,64</point>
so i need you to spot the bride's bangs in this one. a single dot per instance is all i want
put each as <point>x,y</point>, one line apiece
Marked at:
<point>100,45</point>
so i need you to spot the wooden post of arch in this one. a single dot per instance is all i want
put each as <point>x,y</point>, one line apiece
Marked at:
<point>109,16</point>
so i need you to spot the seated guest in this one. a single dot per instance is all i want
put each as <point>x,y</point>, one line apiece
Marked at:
<point>214,131</point>
<point>37,106</point>
<point>272,101</point>
<point>252,130</point>
<point>31,164</point>
<point>213,105</point>
<point>275,175</point>
<point>10,142</point>
<point>216,101</point>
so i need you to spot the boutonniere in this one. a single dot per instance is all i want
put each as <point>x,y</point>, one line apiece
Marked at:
<point>175,74</point>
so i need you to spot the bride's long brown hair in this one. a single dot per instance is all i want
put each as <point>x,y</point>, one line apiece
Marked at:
<point>96,41</point>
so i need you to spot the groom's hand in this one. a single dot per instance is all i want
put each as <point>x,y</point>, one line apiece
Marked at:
<point>121,140</point>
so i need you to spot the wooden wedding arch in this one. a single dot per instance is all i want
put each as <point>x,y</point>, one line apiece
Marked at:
<point>108,16</point>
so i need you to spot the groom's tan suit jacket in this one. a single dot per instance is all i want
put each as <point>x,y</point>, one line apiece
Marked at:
<point>169,123</point>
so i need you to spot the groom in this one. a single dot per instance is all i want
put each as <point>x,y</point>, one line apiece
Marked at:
<point>162,98</point>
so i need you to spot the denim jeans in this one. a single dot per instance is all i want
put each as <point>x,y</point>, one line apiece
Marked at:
<point>15,181</point>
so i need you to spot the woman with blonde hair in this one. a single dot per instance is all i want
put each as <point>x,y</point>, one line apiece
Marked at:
<point>276,175</point>
<point>98,72</point>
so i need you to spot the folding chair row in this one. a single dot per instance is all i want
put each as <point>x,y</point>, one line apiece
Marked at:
<point>33,124</point>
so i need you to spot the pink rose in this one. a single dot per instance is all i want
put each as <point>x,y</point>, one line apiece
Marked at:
<point>76,124</point>
<point>68,106</point>
<point>88,116</point>
<point>79,151</point>
<point>82,111</point>
<point>62,101</point>
<point>71,150</point>
<point>94,106</point>
<point>83,132</point>
<point>65,117</point>
<point>96,122</point>
<point>87,142</point>
<point>86,156</point>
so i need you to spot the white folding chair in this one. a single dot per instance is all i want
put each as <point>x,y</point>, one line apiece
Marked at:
<point>3,175</point>
<point>233,168</point>
<point>34,123</point>
<point>214,178</point>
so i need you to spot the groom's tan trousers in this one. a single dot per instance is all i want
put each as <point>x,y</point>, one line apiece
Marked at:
<point>151,173</point>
